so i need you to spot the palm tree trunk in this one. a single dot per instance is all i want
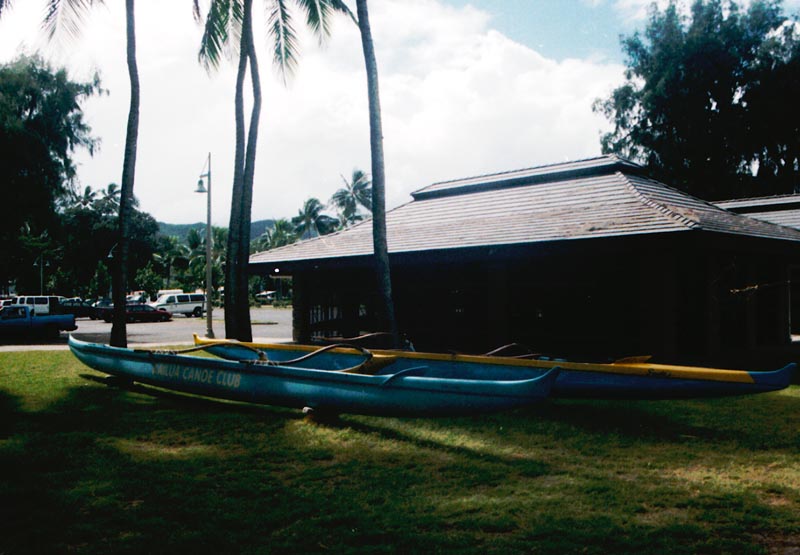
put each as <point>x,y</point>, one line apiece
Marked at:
<point>380,244</point>
<point>243,305</point>
<point>234,268</point>
<point>119,334</point>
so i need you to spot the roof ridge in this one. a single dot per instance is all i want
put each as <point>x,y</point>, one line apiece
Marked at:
<point>777,196</point>
<point>660,207</point>
<point>605,164</point>
<point>610,157</point>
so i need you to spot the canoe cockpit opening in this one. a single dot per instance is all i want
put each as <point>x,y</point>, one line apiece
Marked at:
<point>372,365</point>
<point>260,354</point>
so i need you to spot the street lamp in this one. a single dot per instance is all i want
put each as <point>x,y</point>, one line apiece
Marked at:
<point>209,285</point>
<point>41,263</point>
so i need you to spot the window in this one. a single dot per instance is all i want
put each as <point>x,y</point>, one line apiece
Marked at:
<point>13,313</point>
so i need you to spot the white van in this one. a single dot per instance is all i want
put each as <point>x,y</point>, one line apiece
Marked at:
<point>188,304</point>
<point>266,297</point>
<point>40,304</point>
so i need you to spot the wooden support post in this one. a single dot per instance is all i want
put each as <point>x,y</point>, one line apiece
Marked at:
<point>713,308</point>
<point>301,326</point>
<point>498,331</point>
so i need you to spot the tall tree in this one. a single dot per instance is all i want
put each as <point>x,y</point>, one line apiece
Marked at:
<point>171,255</point>
<point>356,193</point>
<point>88,235</point>
<point>227,21</point>
<point>87,198</point>
<point>282,233</point>
<point>311,222</point>
<point>67,15</point>
<point>379,239</point>
<point>119,335</point>
<point>41,126</point>
<point>109,200</point>
<point>237,302</point>
<point>710,101</point>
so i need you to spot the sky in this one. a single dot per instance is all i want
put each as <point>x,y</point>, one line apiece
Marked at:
<point>467,87</point>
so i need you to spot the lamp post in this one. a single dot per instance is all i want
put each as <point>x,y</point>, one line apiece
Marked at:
<point>41,264</point>
<point>209,284</point>
<point>41,274</point>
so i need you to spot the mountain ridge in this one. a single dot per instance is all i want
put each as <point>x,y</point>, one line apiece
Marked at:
<point>180,231</point>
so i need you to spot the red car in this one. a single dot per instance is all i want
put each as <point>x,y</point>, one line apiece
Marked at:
<point>140,313</point>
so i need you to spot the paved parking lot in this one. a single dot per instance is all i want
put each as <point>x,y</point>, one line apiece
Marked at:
<point>269,325</point>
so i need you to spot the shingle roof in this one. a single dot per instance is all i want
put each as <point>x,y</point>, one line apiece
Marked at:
<point>779,209</point>
<point>593,198</point>
<point>529,176</point>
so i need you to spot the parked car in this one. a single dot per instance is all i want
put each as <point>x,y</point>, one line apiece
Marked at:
<point>102,307</point>
<point>188,304</point>
<point>139,313</point>
<point>79,308</point>
<point>20,320</point>
<point>40,304</point>
<point>265,297</point>
<point>137,297</point>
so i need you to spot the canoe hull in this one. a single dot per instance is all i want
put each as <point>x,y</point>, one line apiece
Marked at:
<point>410,393</point>
<point>575,380</point>
<point>602,385</point>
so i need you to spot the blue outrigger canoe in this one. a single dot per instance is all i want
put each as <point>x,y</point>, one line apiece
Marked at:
<point>366,387</point>
<point>625,379</point>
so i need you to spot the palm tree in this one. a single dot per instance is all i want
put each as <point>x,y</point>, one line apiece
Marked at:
<point>311,222</point>
<point>219,241</point>
<point>281,234</point>
<point>87,198</point>
<point>109,200</point>
<point>356,193</point>
<point>171,254</point>
<point>196,247</point>
<point>66,15</point>
<point>380,244</point>
<point>227,21</point>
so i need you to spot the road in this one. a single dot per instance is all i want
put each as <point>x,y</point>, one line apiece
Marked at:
<point>269,325</point>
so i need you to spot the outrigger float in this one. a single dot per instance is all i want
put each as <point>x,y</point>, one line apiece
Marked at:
<point>371,385</point>
<point>635,378</point>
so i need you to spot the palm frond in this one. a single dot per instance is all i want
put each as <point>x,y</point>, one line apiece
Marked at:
<point>317,17</point>
<point>4,5</point>
<point>66,16</point>
<point>341,7</point>
<point>285,50</point>
<point>221,32</point>
<point>359,176</point>
<point>196,11</point>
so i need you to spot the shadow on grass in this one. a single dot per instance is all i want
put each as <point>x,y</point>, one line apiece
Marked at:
<point>751,421</point>
<point>35,339</point>
<point>362,425</point>
<point>139,469</point>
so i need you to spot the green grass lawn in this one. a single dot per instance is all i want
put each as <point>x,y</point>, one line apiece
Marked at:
<point>88,468</point>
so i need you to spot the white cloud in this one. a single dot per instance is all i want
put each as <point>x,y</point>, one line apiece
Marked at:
<point>458,99</point>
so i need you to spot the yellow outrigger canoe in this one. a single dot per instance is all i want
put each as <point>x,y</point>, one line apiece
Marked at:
<point>627,378</point>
